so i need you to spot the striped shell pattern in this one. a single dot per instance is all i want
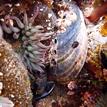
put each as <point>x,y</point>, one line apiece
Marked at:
<point>70,47</point>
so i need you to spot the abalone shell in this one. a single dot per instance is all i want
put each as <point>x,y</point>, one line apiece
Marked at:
<point>70,47</point>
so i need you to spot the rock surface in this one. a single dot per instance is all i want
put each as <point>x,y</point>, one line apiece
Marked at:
<point>14,81</point>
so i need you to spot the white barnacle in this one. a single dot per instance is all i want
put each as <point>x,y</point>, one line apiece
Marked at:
<point>49,15</point>
<point>1,74</point>
<point>61,13</point>
<point>5,60</point>
<point>1,85</point>
<point>41,9</point>
<point>49,28</point>
<point>12,96</point>
<point>18,4</point>
<point>49,24</point>
<point>47,20</point>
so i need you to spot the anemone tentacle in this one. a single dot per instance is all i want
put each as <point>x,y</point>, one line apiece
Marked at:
<point>32,49</point>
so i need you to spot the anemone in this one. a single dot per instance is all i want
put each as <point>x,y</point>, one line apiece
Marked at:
<point>32,50</point>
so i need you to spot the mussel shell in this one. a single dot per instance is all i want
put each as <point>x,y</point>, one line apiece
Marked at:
<point>71,49</point>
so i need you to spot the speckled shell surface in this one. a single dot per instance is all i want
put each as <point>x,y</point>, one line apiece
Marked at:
<point>14,80</point>
<point>71,49</point>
